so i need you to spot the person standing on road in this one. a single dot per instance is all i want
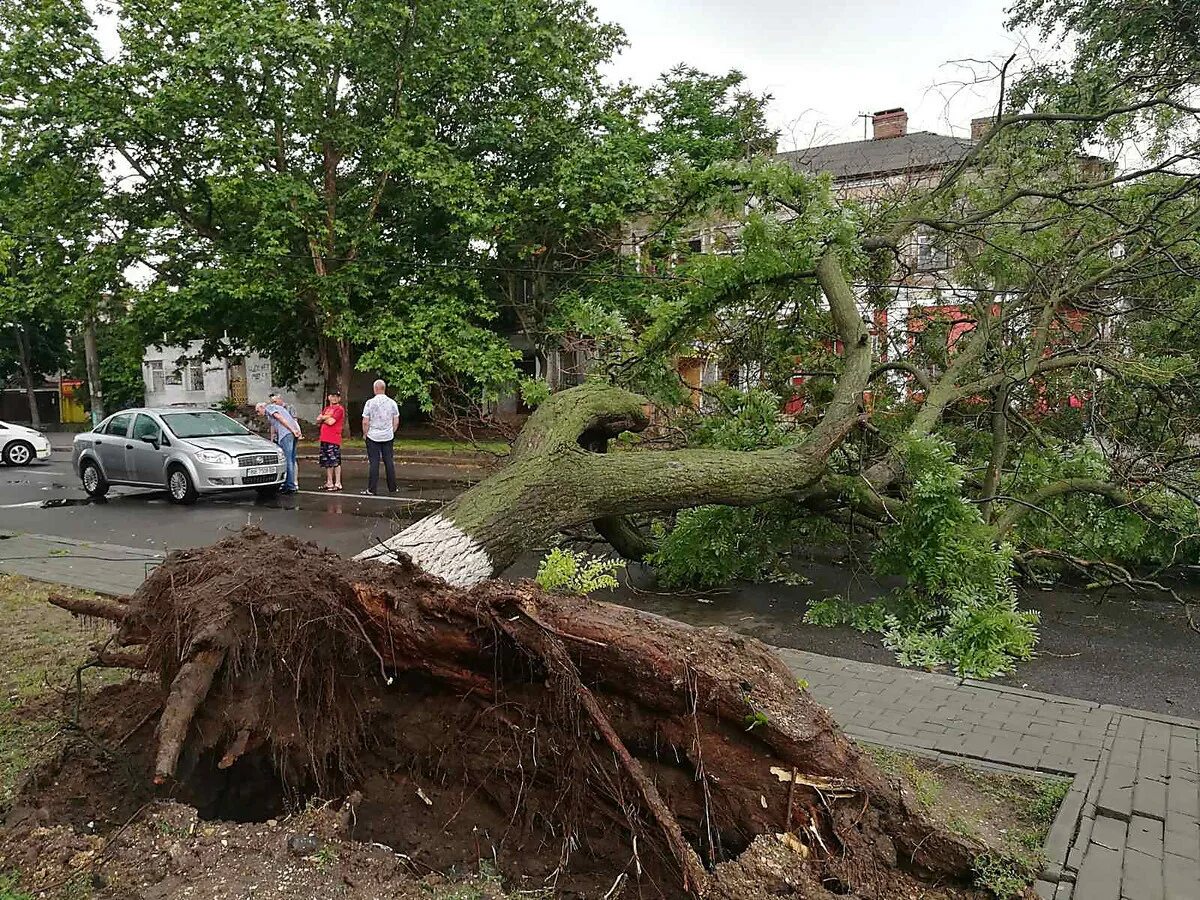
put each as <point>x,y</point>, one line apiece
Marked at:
<point>330,454</point>
<point>380,419</point>
<point>285,431</point>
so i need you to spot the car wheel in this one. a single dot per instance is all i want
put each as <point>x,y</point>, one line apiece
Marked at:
<point>18,453</point>
<point>267,491</point>
<point>93,480</point>
<point>180,486</point>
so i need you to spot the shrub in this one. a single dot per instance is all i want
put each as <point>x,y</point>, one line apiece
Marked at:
<point>571,572</point>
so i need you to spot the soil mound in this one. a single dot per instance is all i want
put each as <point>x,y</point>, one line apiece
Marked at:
<point>575,745</point>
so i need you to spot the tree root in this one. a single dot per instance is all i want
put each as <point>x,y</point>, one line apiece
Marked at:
<point>325,680</point>
<point>544,641</point>
<point>91,607</point>
<point>188,690</point>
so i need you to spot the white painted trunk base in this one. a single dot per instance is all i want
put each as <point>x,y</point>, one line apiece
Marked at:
<point>441,548</point>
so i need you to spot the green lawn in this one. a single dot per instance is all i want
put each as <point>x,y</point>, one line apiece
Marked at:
<point>40,646</point>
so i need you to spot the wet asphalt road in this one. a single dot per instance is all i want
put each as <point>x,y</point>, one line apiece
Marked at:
<point>47,499</point>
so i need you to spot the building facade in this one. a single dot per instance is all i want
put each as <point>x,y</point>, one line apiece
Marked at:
<point>882,169</point>
<point>178,376</point>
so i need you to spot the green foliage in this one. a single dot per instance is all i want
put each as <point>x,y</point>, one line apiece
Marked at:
<point>121,346</point>
<point>713,545</point>
<point>925,785</point>
<point>1005,876</point>
<point>1051,793</point>
<point>959,605</point>
<point>575,572</point>
<point>9,889</point>
<point>743,420</point>
<point>533,391</point>
<point>707,546</point>
<point>862,617</point>
<point>756,719</point>
<point>1091,527</point>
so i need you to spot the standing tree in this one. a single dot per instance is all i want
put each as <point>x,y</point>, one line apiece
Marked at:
<point>46,238</point>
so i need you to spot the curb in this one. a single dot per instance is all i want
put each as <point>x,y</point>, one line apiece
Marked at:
<point>362,457</point>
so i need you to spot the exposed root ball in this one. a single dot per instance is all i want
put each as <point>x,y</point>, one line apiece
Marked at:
<point>591,730</point>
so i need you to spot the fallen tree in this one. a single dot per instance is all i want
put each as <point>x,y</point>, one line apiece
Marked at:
<point>577,720</point>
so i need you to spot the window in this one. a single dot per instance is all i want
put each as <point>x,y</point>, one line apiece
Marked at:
<point>145,427</point>
<point>175,377</point>
<point>155,377</point>
<point>194,376</point>
<point>725,243</point>
<point>118,425</point>
<point>931,256</point>
<point>202,424</point>
<point>696,245</point>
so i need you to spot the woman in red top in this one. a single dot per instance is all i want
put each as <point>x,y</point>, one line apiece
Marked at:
<point>330,455</point>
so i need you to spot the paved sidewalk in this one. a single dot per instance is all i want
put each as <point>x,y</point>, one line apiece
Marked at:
<point>1129,828</point>
<point>91,565</point>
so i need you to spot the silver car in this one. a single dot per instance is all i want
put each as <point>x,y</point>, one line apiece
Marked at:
<point>187,451</point>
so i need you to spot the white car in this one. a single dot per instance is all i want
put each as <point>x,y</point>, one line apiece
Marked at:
<point>19,446</point>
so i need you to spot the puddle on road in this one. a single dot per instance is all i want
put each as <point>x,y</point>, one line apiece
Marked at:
<point>71,501</point>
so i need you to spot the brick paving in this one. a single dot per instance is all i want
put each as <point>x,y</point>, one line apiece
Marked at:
<point>1129,828</point>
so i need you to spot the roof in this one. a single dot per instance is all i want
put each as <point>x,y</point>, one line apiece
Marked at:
<point>882,156</point>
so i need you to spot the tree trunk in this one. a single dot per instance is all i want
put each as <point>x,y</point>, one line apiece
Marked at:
<point>995,469</point>
<point>345,374</point>
<point>554,480</point>
<point>25,355</point>
<point>91,356</point>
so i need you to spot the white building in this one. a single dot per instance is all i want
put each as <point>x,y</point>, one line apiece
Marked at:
<point>177,376</point>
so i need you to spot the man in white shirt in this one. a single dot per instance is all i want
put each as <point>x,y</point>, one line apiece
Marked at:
<point>380,419</point>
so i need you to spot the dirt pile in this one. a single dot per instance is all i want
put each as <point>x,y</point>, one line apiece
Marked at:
<point>576,744</point>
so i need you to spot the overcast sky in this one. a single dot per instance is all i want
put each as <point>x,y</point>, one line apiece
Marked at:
<point>824,61</point>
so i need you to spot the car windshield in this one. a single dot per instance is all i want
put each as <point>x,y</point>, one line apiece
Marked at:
<point>202,424</point>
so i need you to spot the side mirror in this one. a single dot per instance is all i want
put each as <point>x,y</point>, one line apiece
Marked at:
<point>151,440</point>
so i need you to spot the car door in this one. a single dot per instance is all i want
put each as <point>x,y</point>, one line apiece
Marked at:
<point>145,453</point>
<point>110,447</point>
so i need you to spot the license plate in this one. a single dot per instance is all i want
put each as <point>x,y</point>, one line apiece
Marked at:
<point>259,470</point>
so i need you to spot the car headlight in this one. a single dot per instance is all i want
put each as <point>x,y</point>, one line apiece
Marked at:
<point>215,457</point>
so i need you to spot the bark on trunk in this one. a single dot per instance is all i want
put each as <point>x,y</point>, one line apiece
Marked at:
<point>552,483</point>
<point>25,354</point>
<point>345,374</point>
<point>91,355</point>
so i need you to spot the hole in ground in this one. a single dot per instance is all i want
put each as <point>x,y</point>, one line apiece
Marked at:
<point>250,790</point>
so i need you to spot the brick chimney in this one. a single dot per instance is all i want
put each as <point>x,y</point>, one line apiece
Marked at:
<point>890,123</point>
<point>981,126</point>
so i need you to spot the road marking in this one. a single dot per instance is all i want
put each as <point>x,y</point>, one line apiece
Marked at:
<point>21,505</point>
<point>58,475</point>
